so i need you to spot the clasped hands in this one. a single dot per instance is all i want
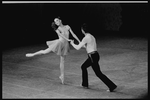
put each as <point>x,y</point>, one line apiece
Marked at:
<point>72,41</point>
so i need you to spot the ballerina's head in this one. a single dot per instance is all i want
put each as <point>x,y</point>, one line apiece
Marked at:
<point>57,21</point>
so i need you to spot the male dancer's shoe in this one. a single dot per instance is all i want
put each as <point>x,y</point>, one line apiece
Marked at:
<point>112,90</point>
<point>84,86</point>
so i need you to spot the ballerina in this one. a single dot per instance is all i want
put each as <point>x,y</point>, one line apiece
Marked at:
<point>59,46</point>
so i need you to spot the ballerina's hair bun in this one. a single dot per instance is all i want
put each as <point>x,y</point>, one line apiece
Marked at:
<point>54,26</point>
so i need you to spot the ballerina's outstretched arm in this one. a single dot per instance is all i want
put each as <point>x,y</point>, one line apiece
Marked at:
<point>62,35</point>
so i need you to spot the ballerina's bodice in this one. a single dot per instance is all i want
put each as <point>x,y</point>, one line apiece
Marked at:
<point>64,31</point>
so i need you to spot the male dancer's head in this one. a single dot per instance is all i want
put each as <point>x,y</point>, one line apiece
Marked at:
<point>84,29</point>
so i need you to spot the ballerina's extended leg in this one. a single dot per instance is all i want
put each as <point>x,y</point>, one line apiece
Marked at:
<point>39,52</point>
<point>29,55</point>
<point>36,53</point>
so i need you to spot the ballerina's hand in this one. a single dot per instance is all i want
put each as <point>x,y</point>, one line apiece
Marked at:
<point>72,41</point>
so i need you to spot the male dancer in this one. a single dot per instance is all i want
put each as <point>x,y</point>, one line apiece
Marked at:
<point>89,43</point>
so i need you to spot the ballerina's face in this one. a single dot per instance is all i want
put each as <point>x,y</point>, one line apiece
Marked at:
<point>57,21</point>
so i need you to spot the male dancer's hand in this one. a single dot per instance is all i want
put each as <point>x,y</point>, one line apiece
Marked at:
<point>84,46</point>
<point>79,41</point>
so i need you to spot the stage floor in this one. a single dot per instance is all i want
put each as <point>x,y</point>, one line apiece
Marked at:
<point>124,61</point>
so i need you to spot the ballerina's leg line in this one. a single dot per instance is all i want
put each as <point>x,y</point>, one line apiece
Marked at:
<point>38,53</point>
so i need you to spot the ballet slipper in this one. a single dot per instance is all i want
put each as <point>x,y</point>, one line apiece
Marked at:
<point>29,55</point>
<point>62,79</point>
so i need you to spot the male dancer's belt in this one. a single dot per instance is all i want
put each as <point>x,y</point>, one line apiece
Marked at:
<point>92,52</point>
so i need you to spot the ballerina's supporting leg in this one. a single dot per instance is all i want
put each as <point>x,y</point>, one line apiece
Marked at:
<point>62,61</point>
<point>38,52</point>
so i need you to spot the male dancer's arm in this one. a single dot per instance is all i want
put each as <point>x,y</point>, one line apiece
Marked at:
<point>81,44</point>
<point>73,34</point>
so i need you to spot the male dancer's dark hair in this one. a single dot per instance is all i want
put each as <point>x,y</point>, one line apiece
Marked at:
<point>84,27</point>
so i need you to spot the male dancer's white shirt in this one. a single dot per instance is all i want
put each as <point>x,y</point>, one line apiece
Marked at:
<point>89,42</point>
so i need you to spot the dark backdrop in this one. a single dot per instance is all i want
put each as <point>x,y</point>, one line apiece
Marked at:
<point>27,24</point>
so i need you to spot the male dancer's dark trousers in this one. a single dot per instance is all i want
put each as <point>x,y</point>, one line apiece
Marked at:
<point>93,59</point>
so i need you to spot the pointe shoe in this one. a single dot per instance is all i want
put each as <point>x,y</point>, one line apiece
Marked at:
<point>62,79</point>
<point>29,55</point>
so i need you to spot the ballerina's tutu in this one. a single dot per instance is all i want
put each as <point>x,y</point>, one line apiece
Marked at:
<point>59,47</point>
